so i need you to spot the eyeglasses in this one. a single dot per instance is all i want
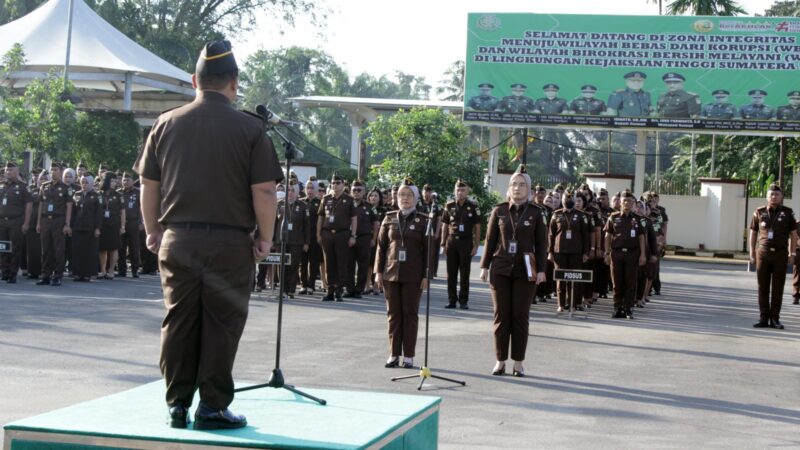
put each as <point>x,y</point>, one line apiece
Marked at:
<point>357,190</point>
<point>336,182</point>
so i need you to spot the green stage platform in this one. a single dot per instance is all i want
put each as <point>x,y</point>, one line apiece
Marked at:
<point>277,418</point>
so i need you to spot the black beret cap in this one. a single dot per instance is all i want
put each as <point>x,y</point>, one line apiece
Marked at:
<point>588,88</point>
<point>774,187</point>
<point>635,74</point>
<point>216,58</point>
<point>757,92</point>
<point>357,183</point>
<point>486,85</point>
<point>626,194</point>
<point>550,86</point>
<point>336,177</point>
<point>672,76</point>
<point>518,85</point>
<point>427,187</point>
<point>793,94</point>
<point>461,184</point>
<point>57,164</point>
<point>720,92</point>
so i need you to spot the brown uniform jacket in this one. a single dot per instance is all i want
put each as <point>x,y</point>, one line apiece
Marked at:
<point>781,221</point>
<point>407,232</point>
<point>461,217</point>
<point>54,197</point>
<point>208,140</point>
<point>111,203</point>
<point>528,227</point>
<point>299,223</point>
<point>650,240</point>
<point>131,201</point>
<point>570,232</point>
<point>367,216</point>
<point>14,196</point>
<point>312,206</point>
<point>339,210</point>
<point>625,230</point>
<point>88,214</point>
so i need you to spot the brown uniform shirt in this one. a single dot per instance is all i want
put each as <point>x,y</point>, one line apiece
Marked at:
<point>650,240</point>
<point>625,230</point>
<point>131,201</point>
<point>774,226</point>
<point>336,212</point>
<point>367,216</point>
<point>54,197</point>
<point>312,206</point>
<point>406,233</point>
<point>14,196</point>
<point>569,232</point>
<point>191,147</point>
<point>88,213</point>
<point>111,203</point>
<point>461,219</point>
<point>526,225</point>
<point>299,223</point>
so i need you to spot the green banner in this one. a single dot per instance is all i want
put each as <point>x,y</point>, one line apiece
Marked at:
<point>726,74</point>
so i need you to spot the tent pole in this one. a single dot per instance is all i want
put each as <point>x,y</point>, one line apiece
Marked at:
<point>69,44</point>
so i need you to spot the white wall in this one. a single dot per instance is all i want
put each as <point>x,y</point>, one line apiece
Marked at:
<point>687,219</point>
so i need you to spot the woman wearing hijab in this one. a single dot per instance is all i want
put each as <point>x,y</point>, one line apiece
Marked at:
<point>86,223</point>
<point>513,262</point>
<point>401,269</point>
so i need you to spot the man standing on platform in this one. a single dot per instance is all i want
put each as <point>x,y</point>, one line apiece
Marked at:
<point>130,244</point>
<point>16,205</point>
<point>772,228</point>
<point>337,221</point>
<point>201,232</point>
<point>461,234</point>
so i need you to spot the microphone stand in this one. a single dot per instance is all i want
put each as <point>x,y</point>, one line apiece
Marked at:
<point>425,372</point>
<point>276,379</point>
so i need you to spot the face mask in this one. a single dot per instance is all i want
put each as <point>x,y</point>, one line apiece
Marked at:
<point>569,204</point>
<point>635,85</point>
<point>550,95</point>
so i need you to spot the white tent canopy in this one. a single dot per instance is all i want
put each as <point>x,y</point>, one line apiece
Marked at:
<point>102,59</point>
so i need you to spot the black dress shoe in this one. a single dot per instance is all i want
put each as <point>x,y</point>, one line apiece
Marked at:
<point>12,279</point>
<point>350,295</point>
<point>303,291</point>
<point>450,306</point>
<point>135,275</point>
<point>534,301</point>
<point>658,291</point>
<point>393,363</point>
<point>327,298</point>
<point>543,299</point>
<point>628,314</point>
<point>518,373</point>
<point>618,314</point>
<point>500,371</point>
<point>338,297</point>
<point>796,301</point>
<point>407,365</point>
<point>179,416</point>
<point>43,282</point>
<point>761,324</point>
<point>464,306</point>
<point>776,324</point>
<point>206,418</point>
<point>56,282</point>
<point>357,295</point>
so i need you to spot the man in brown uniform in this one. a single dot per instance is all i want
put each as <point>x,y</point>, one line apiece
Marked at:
<point>427,204</point>
<point>367,227</point>
<point>603,271</point>
<point>201,232</point>
<point>337,222</point>
<point>625,252</point>
<point>55,214</point>
<point>568,245</point>
<point>461,233</point>
<point>130,244</point>
<point>16,205</point>
<point>312,259</point>
<point>298,228</point>
<point>772,228</point>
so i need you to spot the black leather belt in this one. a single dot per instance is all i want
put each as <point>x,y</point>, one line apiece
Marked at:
<point>626,250</point>
<point>332,231</point>
<point>772,249</point>
<point>12,218</point>
<point>205,226</point>
<point>53,216</point>
<point>455,236</point>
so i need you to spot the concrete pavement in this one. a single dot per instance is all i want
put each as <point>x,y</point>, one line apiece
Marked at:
<point>688,371</point>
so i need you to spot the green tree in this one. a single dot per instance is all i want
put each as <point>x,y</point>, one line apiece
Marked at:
<point>705,7</point>
<point>107,137</point>
<point>429,146</point>
<point>451,87</point>
<point>785,8</point>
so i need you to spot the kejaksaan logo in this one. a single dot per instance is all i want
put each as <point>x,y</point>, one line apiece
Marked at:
<point>488,22</point>
<point>787,26</point>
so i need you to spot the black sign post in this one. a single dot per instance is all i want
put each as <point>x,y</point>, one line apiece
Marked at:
<point>5,246</point>
<point>573,276</point>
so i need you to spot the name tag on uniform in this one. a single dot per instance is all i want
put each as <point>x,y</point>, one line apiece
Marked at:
<point>330,218</point>
<point>633,232</point>
<point>461,228</point>
<point>5,201</point>
<point>401,255</point>
<point>512,247</point>
<point>770,234</point>
<point>130,205</point>
<point>108,214</point>
<point>568,234</point>
<point>290,226</point>
<point>49,207</point>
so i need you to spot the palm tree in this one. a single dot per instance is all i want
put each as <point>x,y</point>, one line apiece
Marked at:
<point>452,87</point>
<point>705,7</point>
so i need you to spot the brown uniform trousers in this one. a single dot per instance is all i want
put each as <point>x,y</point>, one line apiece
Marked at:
<point>130,246</point>
<point>459,256</point>
<point>569,261</point>
<point>796,277</point>
<point>771,268</point>
<point>402,309</point>
<point>11,230</point>
<point>53,245</point>
<point>624,269</point>
<point>336,249</point>
<point>206,278</point>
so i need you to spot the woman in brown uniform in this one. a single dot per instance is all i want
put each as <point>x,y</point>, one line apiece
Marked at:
<point>401,269</point>
<point>113,225</point>
<point>513,262</point>
<point>86,223</point>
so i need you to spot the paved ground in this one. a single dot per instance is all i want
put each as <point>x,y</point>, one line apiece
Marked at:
<point>688,372</point>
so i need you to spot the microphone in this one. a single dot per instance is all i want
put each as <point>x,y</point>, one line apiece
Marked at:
<point>270,116</point>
